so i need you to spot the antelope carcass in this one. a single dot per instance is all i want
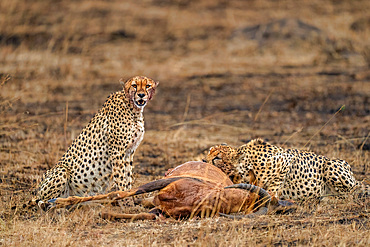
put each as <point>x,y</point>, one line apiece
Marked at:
<point>192,189</point>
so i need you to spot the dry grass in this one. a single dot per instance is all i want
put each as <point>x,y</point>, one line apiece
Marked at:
<point>217,84</point>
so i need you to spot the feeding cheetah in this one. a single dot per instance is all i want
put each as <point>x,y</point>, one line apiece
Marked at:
<point>102,155</point>
<point>286,173</point>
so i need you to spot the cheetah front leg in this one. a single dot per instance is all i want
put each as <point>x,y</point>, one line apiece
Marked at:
<point>54,184</point>
<point>122,172</point>
<point>274,186</point>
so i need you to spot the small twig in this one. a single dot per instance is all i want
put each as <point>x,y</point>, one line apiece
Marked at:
<point>202,122</point>
<point>290,137</point>
<point>351,139</point>
<point>4,79</point>
<point>65,126</point>
<point>342,108</point>
<point>363,143</point>
<point>264,102</point>
<point>345,140</point>
<point>186,108</point>
<point>361,148</point>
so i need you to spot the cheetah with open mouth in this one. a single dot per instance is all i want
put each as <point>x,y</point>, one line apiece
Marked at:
<point>101,156</point>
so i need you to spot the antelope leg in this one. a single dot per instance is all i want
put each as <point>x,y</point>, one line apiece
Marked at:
<point>72,200</point>
<point>116,195</point>
<point>115,216</point>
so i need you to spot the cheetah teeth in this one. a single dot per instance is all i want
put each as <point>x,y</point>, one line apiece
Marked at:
<point>140,102</point>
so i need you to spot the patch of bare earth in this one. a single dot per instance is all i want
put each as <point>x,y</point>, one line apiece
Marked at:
<point>229,71</point>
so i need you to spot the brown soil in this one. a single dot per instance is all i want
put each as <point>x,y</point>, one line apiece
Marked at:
<point>229,71</point>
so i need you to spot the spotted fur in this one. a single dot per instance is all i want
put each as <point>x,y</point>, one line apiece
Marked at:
<point>102,155</point>
<point>287,173</point>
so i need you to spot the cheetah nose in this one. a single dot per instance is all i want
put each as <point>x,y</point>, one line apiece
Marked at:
<point>141,95</point>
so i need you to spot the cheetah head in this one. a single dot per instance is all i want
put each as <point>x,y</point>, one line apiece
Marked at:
<point>139,90</point>
<point>223,157</point>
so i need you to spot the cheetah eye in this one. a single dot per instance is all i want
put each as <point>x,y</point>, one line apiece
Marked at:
<point>216,160</point>
<point>218,157</point>
<point>148,86</point>
<point>134,85</point>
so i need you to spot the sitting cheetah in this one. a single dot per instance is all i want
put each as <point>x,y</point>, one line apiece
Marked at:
<point>104,150</point>
<point>286,173</point>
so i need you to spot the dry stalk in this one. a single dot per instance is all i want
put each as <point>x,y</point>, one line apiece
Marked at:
<point>340,109</point>
<point>264,102</point>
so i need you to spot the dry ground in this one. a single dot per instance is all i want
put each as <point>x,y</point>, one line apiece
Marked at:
<point>229,71</point>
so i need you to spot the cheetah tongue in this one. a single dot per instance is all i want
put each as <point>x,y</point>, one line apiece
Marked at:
<point>141,102</point>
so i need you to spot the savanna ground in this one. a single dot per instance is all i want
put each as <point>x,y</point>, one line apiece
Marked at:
<point>229,71</point>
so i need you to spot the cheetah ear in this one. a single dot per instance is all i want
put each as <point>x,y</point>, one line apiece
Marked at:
<point>156,83</point>
<point>126,85</point>
<point>151,91</point>
<point>122,82</point>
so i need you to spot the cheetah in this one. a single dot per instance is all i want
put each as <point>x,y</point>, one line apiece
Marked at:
<point>101,156</point>
<point>285,173</point>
